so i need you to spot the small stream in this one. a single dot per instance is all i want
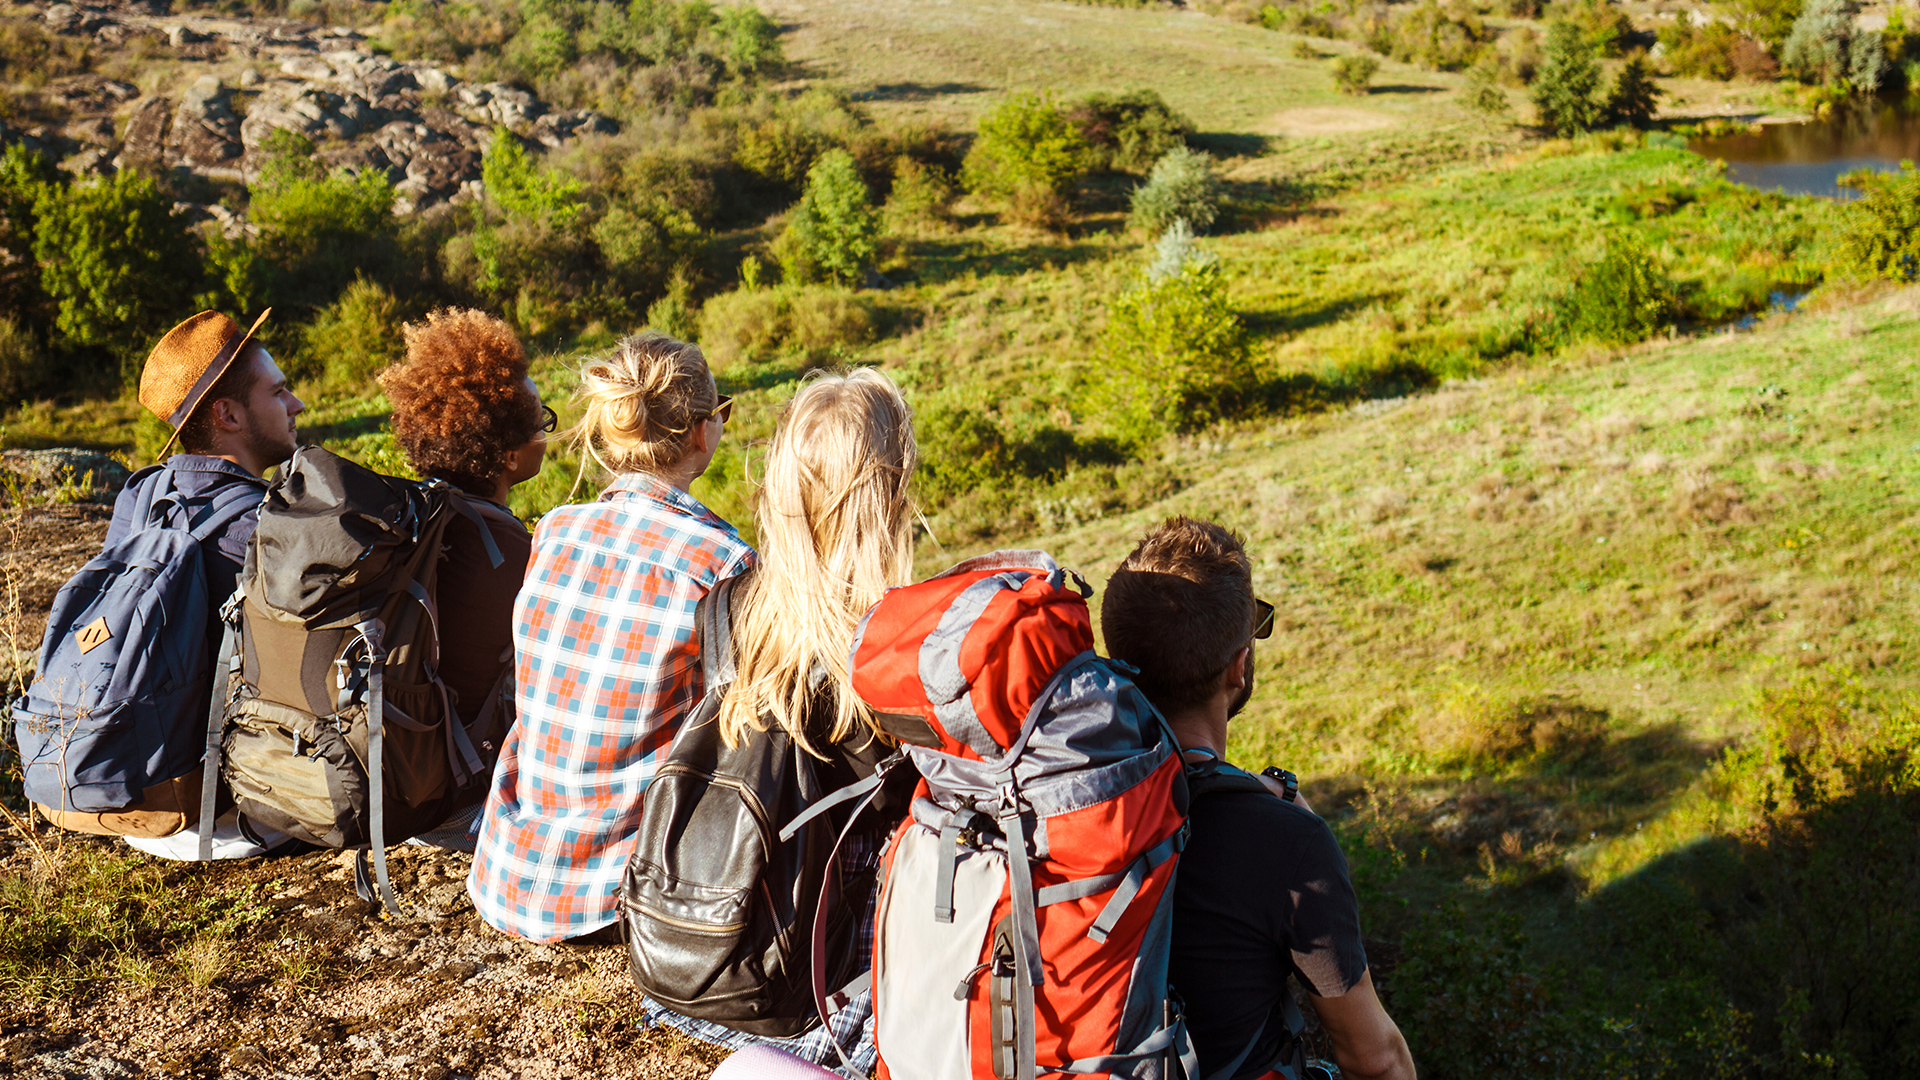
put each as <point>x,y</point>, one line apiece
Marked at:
<point>1807,158</point>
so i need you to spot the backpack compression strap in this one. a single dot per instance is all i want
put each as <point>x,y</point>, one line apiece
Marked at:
<point>226,666</point>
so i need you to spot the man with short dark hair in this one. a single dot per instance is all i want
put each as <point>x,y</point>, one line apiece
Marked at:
<point>1263,890</point>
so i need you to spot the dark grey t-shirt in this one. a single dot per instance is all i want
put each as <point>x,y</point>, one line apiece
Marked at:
<point>1262,893</point>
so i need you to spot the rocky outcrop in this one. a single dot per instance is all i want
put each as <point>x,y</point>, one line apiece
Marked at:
<point>205,136</point>
<point>417,122</point>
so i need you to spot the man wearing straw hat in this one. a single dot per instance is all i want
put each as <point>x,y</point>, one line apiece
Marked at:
<point>232,415</point>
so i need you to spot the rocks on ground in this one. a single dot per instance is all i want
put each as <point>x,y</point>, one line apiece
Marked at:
<point>419,124</point>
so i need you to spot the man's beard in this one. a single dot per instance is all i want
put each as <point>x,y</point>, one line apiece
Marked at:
<point>1246,692</point>
<point>273,446</point>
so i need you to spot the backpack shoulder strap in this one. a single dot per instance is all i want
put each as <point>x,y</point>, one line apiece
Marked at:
<point>478,516</point>
<point>1213,775</point>
<point>714,620</point>
<point>229,502</point>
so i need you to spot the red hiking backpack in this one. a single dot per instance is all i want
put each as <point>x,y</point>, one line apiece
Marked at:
<point>1025,920</point>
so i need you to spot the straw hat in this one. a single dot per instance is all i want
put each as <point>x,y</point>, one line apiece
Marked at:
<point>187,362</point>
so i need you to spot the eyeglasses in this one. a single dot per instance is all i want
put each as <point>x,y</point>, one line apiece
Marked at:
<point>549,420</point>
<point>722,408</point>
<point>1262,619</point>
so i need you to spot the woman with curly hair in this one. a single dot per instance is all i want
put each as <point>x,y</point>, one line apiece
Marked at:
<point>466,411</point>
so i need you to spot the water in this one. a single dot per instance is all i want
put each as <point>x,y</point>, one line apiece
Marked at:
<point>1807,158</point>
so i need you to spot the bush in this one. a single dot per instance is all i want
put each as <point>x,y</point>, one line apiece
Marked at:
<point>673,314</point>
<point>1826,48</point>
<point>1607,29</point>
<point>921,196</point>
<point>319,231</point>
<point>1128,132</point>
<point>1353,73</point>
<point>1880,231</point>
<point>352,339</point>
<point>1438,38</point>
<point>814,324</point>
<point>1482,95</point>
<point>1714,51</point>
<point>22,177</point>
<point>831,234</point>
<point>1027,156</point>
<point>23,362</point>
<point>1635,97</point>
<point>1182,187</point>
<point>1176,354</point>
<point>1566,89</point>
<point>1622,298</point>
<point>116,265</point>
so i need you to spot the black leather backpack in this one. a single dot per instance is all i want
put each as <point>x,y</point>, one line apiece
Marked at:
<point>734,908</point>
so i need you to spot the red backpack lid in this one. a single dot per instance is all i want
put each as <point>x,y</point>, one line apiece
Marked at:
<point>955,662</point>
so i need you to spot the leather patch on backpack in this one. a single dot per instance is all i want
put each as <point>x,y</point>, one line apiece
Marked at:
<point>93,635</point>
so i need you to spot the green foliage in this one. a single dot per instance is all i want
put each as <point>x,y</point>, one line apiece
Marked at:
<point>1880,231</point>
<point>1604,25</point>
<point>1353,73</point>
<point>1826,48</point>
<point>1768,21</point>
<point>117,266</point>
<point>521,189</point>
<point>1128,132</point>
<point>1566,90</point>
<point>1624,297</point>
<point>23,176</point>
<point>689,35</point>
<point>921,197</point>
<point>1635,97</point>
<point>833,229</point>
<point>643,246</point>
<point>1176,355</point>
<point>1469,998</point>
<point>24,370</point>
<point>318,231</point>
<point>1442,38</point>
<point>749,40</point>
<point>814,324</point>
<point>674,314</point>
<point>1483,96</point>
<point>1714,51</point>
<point>1182,187</point>
<point>352,339</point>
<point>1027,155</point>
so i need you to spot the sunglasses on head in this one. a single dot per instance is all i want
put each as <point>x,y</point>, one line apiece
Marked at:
<point>1262,619</point>
<point>722,408</point>
<point>549,420</point>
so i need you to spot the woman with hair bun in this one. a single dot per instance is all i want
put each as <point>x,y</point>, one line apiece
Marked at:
<point>607,662</point>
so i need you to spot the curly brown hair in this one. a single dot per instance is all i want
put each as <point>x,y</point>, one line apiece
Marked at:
<point>460,398</point>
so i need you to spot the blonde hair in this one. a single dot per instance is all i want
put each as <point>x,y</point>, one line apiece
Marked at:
<point>835,523</point>
<point>643,401</point>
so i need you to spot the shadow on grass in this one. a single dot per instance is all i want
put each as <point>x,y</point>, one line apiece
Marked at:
<point>1398,88</point>
<point>1274,323</point>
<point>1230,143</point>
<point>917,91</point>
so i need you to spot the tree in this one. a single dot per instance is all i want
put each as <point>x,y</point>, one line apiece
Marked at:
<point>1826,47</point>
<point>1353,73</point>
<point>1182,187</point>
<point>1880,231</point>
<point>1622,298</point>
<point>1634,96</point>
<point>1566,89</point>
<point>318,230</point>
<point>116,264</point>
<point>1178,356</point>
<point>833,229</point>
<point>1027,155</point>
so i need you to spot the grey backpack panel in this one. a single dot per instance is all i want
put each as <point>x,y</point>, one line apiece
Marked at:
<point>124,672</point>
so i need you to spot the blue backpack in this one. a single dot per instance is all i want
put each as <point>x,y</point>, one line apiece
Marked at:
<point>111,732</point>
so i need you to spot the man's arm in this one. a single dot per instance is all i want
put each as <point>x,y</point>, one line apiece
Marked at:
<point>1367,1045</point>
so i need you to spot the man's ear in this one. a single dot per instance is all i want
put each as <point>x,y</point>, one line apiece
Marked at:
<point>1239,669</point>
<point>225,413</point>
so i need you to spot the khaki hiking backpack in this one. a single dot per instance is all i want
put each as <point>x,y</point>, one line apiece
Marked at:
<point>336,727</point>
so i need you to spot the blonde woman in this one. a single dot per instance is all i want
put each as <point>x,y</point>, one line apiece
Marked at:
<point>834,520</point>
<point>606,660</point>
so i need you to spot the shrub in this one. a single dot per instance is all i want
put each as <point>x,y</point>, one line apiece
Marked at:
<point>115,264</point>
<point>1438,38</point>
<point>1519,56</point>
<point>318,231</point>
<point>1482,95</point>
<point>831,233</point>
<point>1607,29</point>
<point>1704,52</point>
<point>1176,354</point>
<point>22,177</point>
<point>1880,231</point>
<point>1566,89</point>
<point>815,324</point>
<point>921,195</point>
<point>352,339</point>
<point>1767,21</point>
<point>1182,187</point>
<point>23,362</point>
<point>1128,132</point>
<point>521,188</point>
<point>1622,298</point>
<point>1634,96</point>
<point>1027,155</point>
<point>643,246</point>
<point>1825,47</point>
<point>1353,73</point>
